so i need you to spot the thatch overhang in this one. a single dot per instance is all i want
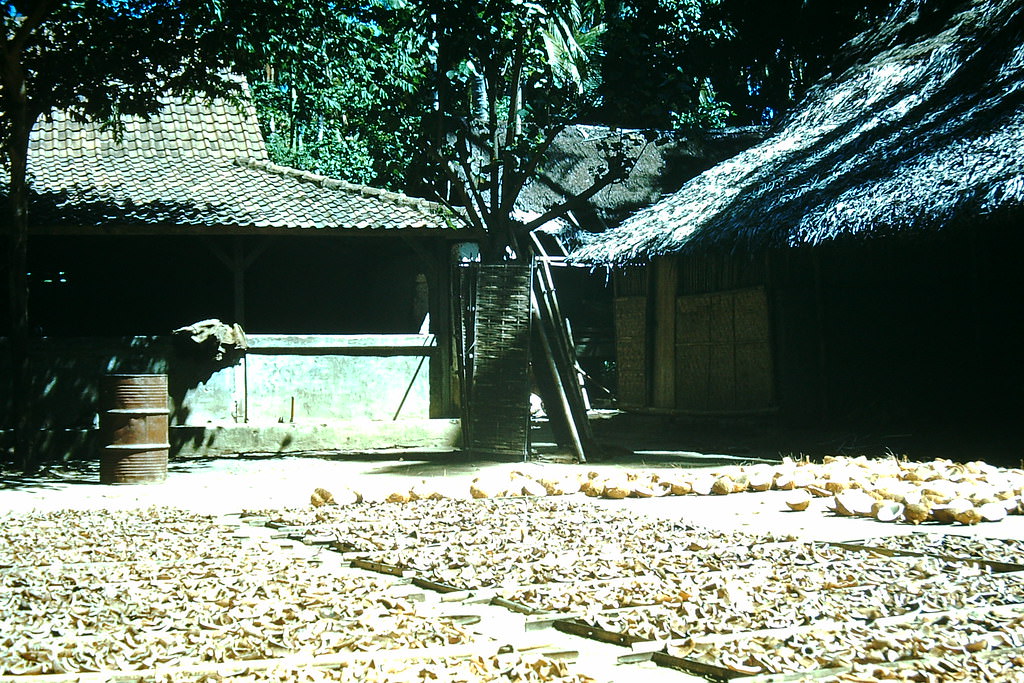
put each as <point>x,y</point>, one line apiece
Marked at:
<point>922,133</point>
<point>201,168</point>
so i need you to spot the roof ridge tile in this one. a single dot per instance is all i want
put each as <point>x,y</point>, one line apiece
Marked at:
<point>422,205</point>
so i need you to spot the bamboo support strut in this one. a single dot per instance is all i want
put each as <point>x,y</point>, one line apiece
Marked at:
<point>556,343</point>
<point>577,444</point>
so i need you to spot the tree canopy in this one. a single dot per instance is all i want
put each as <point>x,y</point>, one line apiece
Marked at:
<point>506,76</point>
<point>356,119</point>
<point>705,63</point>
<point>692,64</point>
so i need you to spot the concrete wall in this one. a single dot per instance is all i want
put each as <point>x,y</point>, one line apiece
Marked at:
<point>315,378</point>
<point>300,392</point>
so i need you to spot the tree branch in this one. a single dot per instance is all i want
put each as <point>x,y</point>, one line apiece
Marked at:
<point>460,187</point>
<point>602,182</point>
<point>516,180</point>
<point>40,11</point>
<point>464,160</point>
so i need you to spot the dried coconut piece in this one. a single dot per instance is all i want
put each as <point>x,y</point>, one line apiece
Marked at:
<point>723,485</point>
<point>701,484</point>
<point>617,490</point>
<point>642,491</point>
<point>992,512</point>
<point>529,487</point>
<point>681,487</point>
<point>946,514</point>
<point>784,481</point>
<point>321,497</point>
<point>853,503</point>
<point>836,486</point>
<point>886,510</point>
<point>425,490</point>
<point>761,478</point>
<point>399,497</point>
<point>799,500</point>
<point>560,487</point>
<point>917,513</point>
<point>969,516</point>
<point>482,489</point>
<point>661,488</point>
<point>804,476</point>
<point>818,490</point>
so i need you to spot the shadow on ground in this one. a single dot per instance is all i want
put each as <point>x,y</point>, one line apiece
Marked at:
<point>621,434</point>
<point>52,477</point>
<point>623,440</point>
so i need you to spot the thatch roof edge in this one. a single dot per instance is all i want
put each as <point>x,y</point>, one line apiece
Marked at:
<point>920,136</point>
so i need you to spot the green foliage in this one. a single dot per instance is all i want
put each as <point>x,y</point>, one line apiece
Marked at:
<point>101,59</point>
<point>525,59</point>
<point>356,119</point>
<point>664,56</point>
<point>774,51</point>
<point>652,70</point>
<point>507,77</point>
<point>707,113</point>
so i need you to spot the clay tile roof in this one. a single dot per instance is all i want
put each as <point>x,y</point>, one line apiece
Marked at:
<point>199,165</point>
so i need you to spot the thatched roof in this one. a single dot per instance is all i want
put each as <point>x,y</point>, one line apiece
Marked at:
<point>923,132</point>
<point>665,161</point>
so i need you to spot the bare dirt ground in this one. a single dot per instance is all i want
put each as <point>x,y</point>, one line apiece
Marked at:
<point>231,485</point>
<point>625,442</point>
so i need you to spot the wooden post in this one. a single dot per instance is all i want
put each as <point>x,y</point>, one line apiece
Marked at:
<point>238,271</point>
<point>776,332</point>
<point>824,410</point>
<point>238,261</point>
<point>439,296</point>
<point>437,262</point>
<point>666,276</point>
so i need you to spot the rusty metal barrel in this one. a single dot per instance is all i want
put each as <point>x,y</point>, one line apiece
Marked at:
<point>134,429</point>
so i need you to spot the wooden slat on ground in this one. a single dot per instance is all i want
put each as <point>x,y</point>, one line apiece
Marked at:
<point>472,649</point>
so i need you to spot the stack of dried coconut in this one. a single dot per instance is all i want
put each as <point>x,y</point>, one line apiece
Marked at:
<point>888,489</point>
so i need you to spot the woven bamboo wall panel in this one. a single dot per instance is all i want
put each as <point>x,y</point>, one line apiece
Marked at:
<point>631,349</point>
<point>708,273</point>
<point>721,377</point>
<point>693,320</point>
<point>500,413</point>
<point>722,317</point>
<point>723,352</point>
<point>693,364</point>
<point>632,281</point>
<point>750,317</point>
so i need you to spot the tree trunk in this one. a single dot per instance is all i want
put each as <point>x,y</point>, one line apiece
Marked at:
<point>16,106</point>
